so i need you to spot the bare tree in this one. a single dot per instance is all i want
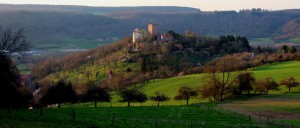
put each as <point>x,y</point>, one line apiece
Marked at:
<point>220,76</point>
<point>13,42</point>
<point>10,43</point>
<point>265,85</point>
<point>289,82</point>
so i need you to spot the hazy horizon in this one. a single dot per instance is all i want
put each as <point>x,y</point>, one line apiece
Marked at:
<point>200,4</point>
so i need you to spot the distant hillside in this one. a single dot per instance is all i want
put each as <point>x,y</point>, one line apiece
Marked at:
<point>289,30</point>
<point>60,27</point>
<point>97,10</point>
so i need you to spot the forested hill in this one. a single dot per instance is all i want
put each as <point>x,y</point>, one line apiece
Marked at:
<point>58,26</point>
<point>97,10</point>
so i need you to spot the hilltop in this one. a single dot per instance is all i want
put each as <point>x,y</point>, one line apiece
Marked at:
<point>136,61</point>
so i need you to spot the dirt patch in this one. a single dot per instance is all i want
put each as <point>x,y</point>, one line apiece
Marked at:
<point>265,109</point>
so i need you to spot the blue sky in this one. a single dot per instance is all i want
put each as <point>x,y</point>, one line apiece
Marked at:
<point>205,5</point>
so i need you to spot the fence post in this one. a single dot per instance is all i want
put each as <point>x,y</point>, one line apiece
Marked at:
<point>73,114</point>
<point>41,111</point>
<point>113,119</point>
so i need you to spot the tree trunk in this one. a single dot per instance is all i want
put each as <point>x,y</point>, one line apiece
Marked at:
<point>9,108</point>
<point>158,104</point>
<point>58,105</point>
<point>95,103</point>
<point>289,89</point>
<point>41,110</point>
<point>187,101</point>
<point>128,103</point>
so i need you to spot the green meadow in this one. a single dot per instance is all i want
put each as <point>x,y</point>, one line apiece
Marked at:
<point>127,117</point>
<point>261,41</point>
<point>71,43</point>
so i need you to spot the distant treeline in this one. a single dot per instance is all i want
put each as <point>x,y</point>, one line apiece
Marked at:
<point>49,26</point>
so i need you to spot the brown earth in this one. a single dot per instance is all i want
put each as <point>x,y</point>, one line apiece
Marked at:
<point>252,108</point>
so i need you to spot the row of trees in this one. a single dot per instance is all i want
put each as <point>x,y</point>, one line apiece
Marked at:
<point>287,49</point>
<point>217,88</point>
<point>242,84</point>
<point>222,82</point>
<point>63,92</point>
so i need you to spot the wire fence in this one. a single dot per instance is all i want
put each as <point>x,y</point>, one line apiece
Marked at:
<point>115,119</point>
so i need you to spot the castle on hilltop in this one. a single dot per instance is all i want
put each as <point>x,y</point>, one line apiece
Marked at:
<point>152,30</point>
<point>141,35</point>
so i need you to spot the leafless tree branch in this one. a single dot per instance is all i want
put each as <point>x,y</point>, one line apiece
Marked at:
<point>13,42</point>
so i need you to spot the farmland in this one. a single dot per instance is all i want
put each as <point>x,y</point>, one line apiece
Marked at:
<point>283,108</point>
<point>167,116</point>
<point>172,113</point>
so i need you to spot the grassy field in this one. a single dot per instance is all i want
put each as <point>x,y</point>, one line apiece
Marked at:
<point>278,71</point>
<point>129,117</point>
<point>291,40</point>
<point>172,114</point>
<point>261,41</point>
<point>71,43</point>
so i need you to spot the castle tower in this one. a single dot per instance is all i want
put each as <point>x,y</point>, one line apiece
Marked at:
<point>152,29</point>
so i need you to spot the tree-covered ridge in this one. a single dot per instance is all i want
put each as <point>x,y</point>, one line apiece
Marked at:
<point>65,26</point>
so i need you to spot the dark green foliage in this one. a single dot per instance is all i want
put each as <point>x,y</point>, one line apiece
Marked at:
<point>244,82</point>
<point>283,49</point>
<point>148,63</point>
<point>231,44</point>
<point>95,94</point>
<point>60,93</point>
<point>132,94</point>
<point>11,93</point>
<point>10,81</point>
<point>292,49</point>
<point>175,35</point>
<point>265,85</point>
<point>185,93</point>
<point>159,97</point>
<point>287,49</point>
<point>211,46</point>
